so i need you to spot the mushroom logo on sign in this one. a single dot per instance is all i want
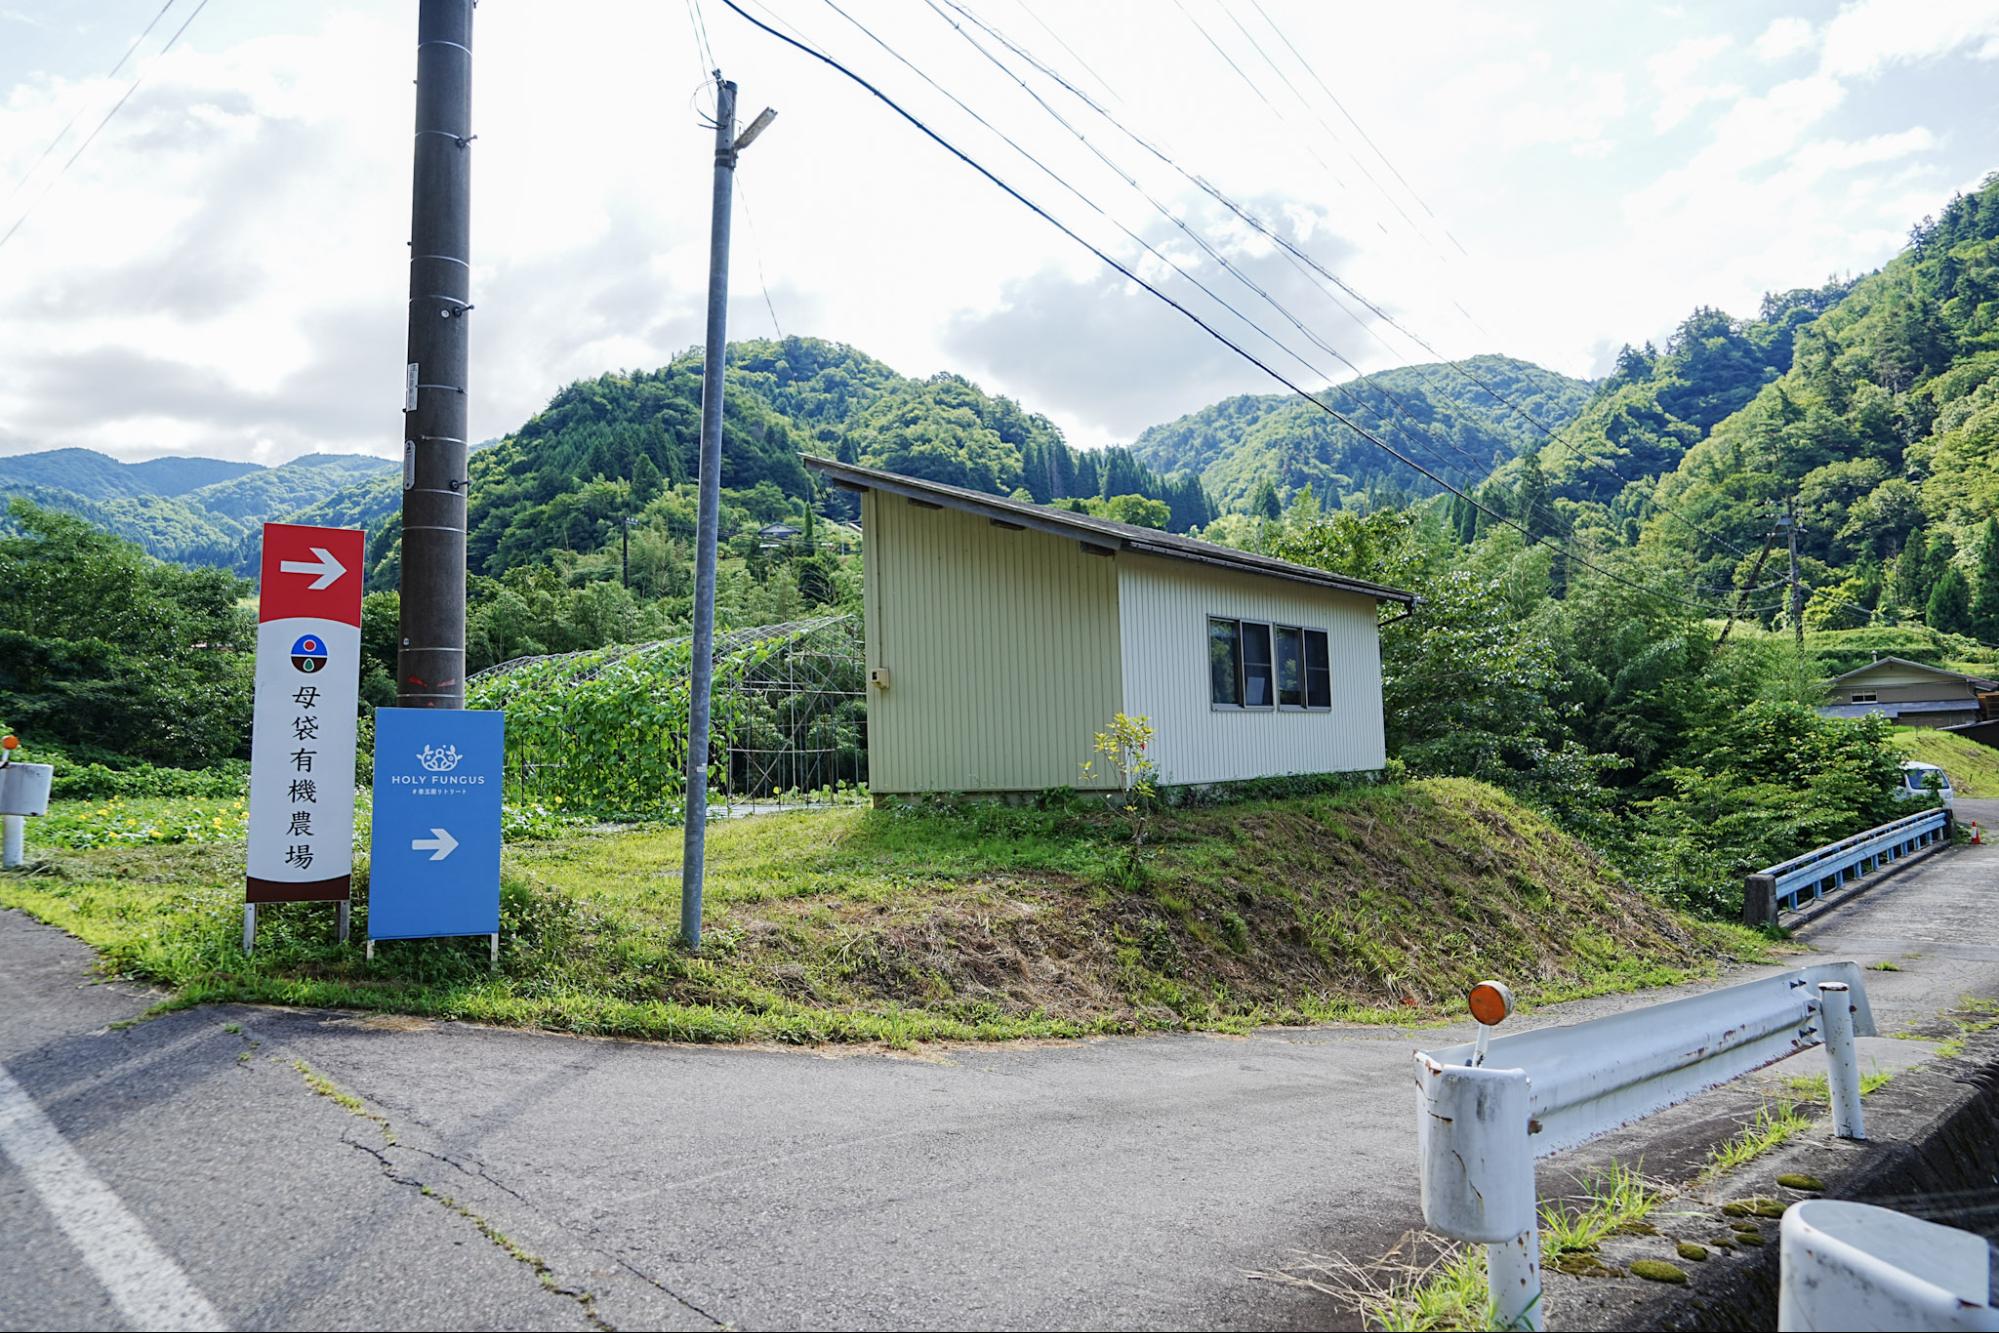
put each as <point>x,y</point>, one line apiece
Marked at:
<point>309,653</point>
<point>438,758</point>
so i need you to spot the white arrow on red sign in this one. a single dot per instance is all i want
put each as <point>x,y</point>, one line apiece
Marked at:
<point>325,566</point>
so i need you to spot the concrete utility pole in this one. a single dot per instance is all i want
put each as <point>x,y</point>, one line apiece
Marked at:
<point>430,662</point>
<point>693,861</point>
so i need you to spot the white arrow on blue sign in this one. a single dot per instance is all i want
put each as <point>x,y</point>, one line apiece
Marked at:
<point>440,844</point>
<point>435,867</point>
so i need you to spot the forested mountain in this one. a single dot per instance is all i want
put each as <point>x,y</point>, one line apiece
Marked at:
<point>96,476</point>
<point>1457,421</point>
<point>193,511</point>
<point>1881,428</point>
<point>608,449</point>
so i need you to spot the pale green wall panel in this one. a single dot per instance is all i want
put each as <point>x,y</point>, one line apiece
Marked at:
<point>1002,649</point>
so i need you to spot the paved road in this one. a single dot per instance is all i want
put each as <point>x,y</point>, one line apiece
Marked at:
<point>489,1178</point>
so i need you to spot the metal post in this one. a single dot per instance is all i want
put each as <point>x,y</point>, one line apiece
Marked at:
<point>1797,588</point>
<point>1513,1276</point>
<point>430,662</point>
<point>1476,1170</point>
<point>1842,1064</point>
<point>344,919</point>
<point>249,928</point>
<point>11,850</point>
<point>695,847</point>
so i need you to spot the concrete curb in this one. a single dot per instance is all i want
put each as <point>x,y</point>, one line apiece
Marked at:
<point>1839,898</point>
<point>1934,1135</point>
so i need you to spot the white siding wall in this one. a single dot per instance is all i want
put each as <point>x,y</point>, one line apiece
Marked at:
<point>1164,609</point>
<point>1001,646</point>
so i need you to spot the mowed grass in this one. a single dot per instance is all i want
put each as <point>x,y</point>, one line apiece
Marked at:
<point>1973,768</point>
<point>979,922</point>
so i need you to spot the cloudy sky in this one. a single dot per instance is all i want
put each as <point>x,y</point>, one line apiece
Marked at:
<point>222,270</point>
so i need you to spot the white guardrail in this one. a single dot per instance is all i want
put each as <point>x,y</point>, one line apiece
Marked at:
<point>1783,886</point>
<point>1486,1110</point>
<point>1852,1265</point>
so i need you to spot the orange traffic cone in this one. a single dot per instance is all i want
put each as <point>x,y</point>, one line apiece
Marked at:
<point>1976,839</point>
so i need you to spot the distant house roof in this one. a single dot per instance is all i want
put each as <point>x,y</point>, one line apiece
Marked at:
<point>1094,531</point>
<point>777,530</point>
<point>1893,709</point>
<point>1977,682</point>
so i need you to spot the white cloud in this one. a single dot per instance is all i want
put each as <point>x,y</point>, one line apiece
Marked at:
<point>1678,77</point>
<point>1785,37</point>
<point>223,272</point>
<point>1868,37</point>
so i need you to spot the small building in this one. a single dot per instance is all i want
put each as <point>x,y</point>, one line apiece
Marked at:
<point>771,536</point>
<point>1000,637</point>
<point>1910,694</point>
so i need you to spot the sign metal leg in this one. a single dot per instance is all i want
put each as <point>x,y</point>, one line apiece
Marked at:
<point>370,952</point>
<point>345,914</point>
<point>495,962</point>
<point>249,928</point>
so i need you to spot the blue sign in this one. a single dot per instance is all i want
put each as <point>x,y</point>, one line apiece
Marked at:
<point>435,868</point>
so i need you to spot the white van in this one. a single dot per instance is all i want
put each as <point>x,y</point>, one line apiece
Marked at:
<point>1916,783</point>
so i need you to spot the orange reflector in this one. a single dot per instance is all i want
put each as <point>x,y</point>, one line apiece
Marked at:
<point>1490,1002</point>
<point>10,743</point>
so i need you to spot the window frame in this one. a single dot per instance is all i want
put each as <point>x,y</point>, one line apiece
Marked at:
<point>1272,628</point>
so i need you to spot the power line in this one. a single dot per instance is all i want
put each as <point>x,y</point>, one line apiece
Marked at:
<point>1039,23</point>
<point>1129,275</point>
<point>78,113</point>
<point>1365,137</point>
<point>1300,256</point>
<point>1303,101</point>
<point>1292,253</point>
<point>115,107</point>
<point>1165,212</point>
<point>1132,235</point>
<point>756,251</point>
<point>700,26</point>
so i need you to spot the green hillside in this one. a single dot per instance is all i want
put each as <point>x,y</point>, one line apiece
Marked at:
<point>1883,429</point>
<point>192,511</point>
<point>1457,423</point>
<point>96,476</point>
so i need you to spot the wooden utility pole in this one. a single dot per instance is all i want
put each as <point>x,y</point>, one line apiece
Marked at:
<point>694,851</point>
<point>430,661</point>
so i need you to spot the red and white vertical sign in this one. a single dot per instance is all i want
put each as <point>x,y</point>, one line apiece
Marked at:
<point>302,738</point>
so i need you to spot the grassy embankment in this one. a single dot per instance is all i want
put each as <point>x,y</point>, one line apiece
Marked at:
<point>1973,768</point>
<point>1379,905</point>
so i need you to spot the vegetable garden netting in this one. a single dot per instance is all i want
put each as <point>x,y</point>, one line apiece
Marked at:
<point>604,732</point>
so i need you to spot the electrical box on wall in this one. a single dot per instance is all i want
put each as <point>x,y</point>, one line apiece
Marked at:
<point>878,677</point>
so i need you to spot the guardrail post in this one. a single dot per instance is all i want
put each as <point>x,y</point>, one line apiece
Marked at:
<point>1477,1172</point>
<point>1841,1061</point>
<point>1759,900</point>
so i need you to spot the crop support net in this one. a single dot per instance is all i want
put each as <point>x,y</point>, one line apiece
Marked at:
<point>604,732</point>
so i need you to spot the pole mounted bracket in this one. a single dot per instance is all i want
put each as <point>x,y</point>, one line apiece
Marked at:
<point>458,311</point>
<point>756,127</point>
<point>464,140</point>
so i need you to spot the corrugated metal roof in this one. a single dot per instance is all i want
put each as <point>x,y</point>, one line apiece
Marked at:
<point>1892,709</point>
<point>1094,531</point>
<point>1978,681</point>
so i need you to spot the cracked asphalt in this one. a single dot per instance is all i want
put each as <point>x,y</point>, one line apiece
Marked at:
<point>501,1179</point>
